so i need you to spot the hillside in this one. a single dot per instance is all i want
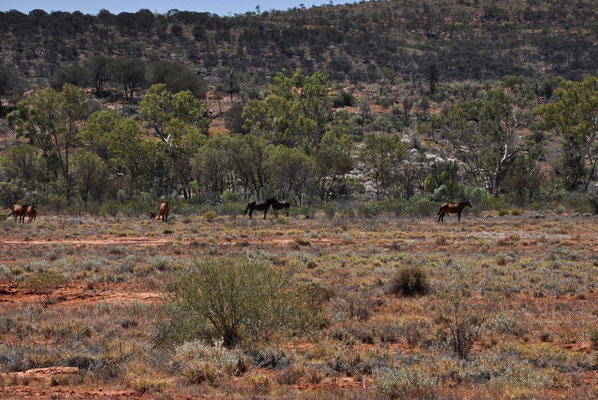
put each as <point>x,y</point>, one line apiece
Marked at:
<point>460,40</point>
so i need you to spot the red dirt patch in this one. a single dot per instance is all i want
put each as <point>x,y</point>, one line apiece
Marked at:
<point>77,294</point>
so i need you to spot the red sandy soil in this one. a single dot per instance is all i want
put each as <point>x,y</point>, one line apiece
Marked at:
<point>77,294</point>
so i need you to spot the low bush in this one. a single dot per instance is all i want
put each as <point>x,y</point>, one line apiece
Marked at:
<point>405,383</point>
<point>238,300</point>
<point>209,216</point>
<point>45,282</point>
<point>199,362</point>
<point>410,280</point>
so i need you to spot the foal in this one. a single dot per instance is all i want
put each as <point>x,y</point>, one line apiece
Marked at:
<point>279,206</point>
<point>447,208</point>
<point>32,212</point>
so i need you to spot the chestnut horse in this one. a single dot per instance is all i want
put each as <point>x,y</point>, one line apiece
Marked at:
<point>251,207</point>
<point>19,211</point>
<point>164,210</point>
<point>32,212</point>
<point>447,208</point>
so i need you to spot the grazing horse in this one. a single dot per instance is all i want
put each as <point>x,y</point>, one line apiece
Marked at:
<point>164,210</point>
<point>19,211</point>
<point>452,209</point>
<point>32,212</point>
<point>279,206</point>
<point>251,207</point>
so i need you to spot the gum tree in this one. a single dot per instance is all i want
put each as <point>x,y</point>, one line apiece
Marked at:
<point>573,118</point>
<point>51,121</point>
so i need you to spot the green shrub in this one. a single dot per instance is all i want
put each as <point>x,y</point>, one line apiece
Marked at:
<point>368,210</point>
<point>200,362</point>
<point>405,383</point>
<point>238,300</point>
<point>516,212</point>
<point>210,216</point>
<point>343,99</point>
<point>422,206</point>
<point>307,211</point>
<point>45,282</point>
<point>502,213</point>
<point>330,208</point>
<point>396,206</point>
<point>410,280</point>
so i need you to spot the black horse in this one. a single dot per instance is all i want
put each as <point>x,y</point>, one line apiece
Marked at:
<point>276,205</point>
<point>251,207</point>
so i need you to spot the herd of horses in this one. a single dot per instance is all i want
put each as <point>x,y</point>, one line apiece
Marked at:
<point>272,202</point>
<point>19,211</point>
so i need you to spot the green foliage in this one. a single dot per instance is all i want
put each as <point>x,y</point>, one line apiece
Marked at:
<point>368,210</point>
<point>343,99</point>
<point>406,383</point>
<point>382,154</point>
<point>199,362</point>
<point>330,208</point>
<point>11,85</point>
<point>294,114</point>
<point>484,132</point>
<point>290,171</point>
<point>89,172</point>
<point>410,280</point>
<point>73,74</point>
<point>233,119</point>
<point>50,121</point>
<point>97,69</point>
<point>210,216</point>
<point>129,72</point>
<point>10,193</point>
<point>44,282</point>
<point>573,119</point>
<point>177,78</point>
<point>238,300</point>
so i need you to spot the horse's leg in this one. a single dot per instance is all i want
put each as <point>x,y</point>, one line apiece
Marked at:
<point>459,217</point>
<point>250,212</point>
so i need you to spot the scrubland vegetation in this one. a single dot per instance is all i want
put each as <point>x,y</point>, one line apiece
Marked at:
<point>341,307</point>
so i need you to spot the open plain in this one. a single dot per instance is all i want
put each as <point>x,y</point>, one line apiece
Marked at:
<point>527,288</point>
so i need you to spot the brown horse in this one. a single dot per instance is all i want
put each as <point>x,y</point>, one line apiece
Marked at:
<point>164,210</point>
<point>447,208</point>
<point>279,206</point>
<point>32,212</point>
<point>19,211</point>
<point>251,207</point>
